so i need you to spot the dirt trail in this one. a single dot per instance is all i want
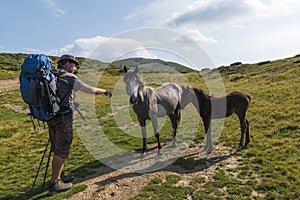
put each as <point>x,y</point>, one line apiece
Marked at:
<point>9,84</point>
<point>116,184</point>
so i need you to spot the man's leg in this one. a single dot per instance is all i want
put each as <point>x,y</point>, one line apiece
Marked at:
<point>61,139</point>
<point>57,167</point>
<point>56,185</point>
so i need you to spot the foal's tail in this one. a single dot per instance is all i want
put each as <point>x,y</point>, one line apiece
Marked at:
<point>178,112</point>
<point>249,97</point>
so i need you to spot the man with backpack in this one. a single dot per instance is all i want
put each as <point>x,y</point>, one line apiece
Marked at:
<point>60,127</point>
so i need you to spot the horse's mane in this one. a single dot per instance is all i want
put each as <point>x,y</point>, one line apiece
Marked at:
<point>200,93</point>
<point>138,76</point>
<point>152,95</point>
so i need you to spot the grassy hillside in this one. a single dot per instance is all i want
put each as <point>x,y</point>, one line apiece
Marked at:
<point>10,64</point>
<point>268,169</point>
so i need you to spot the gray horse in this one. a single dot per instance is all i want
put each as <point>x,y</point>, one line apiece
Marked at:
<point>151,103</point>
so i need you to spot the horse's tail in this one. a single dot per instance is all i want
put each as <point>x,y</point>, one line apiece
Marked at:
<point>249,97</point>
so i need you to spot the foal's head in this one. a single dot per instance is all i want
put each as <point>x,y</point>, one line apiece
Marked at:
<point>188,95</point>
<point>134,84</point>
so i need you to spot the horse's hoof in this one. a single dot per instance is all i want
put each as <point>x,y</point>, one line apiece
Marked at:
<point>142,155</point>
<point>205,151</point>
<point>202,154</point>
<point>174,146</point>
<point>159,153</point>
<point>208,151</point>
<point>239,148</point>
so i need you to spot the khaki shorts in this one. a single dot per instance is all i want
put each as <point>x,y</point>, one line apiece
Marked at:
<point>61,134</point>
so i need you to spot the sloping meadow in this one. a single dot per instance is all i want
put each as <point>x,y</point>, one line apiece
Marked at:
<point>268,169</point>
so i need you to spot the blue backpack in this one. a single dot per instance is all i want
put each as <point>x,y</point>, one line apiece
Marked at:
<point>38,87</point>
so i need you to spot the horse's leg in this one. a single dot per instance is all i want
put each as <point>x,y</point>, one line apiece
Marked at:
<point>178,118</point>
<point>175,118</point>
<point>247,134</point>
<point>209,145</point>
<point>174,128</point>
<point>144,134</point>
<point>155,128</point>
<point>243,130</point>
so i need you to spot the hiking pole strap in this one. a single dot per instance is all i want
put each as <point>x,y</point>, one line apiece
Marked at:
<point>32,121</point>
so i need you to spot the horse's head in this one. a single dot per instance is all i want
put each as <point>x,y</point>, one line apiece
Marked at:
<point>134,84</point>
<point>187,96</point>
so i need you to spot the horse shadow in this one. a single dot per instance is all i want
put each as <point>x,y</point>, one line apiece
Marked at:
<point>199,164</point>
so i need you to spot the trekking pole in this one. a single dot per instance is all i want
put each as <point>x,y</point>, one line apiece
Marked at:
<point>79,113</point>
<point>40,164</point>
<point>46,170</point>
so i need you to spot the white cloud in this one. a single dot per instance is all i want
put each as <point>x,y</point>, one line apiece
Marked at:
<point>157,12</point>
<point>31,50</point>
<point>145,42</point>
<point>205,12</point>
<point>230,30</point>
<point>106,49</point>
<point>197,36</point>
<point>216,14</point>
<point>53,8</point>
<point>83,46</point>
<point>234,26</point>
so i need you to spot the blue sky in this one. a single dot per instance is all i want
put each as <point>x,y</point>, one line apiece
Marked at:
<point>227,30</point>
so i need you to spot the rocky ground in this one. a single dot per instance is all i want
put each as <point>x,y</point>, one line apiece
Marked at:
<point>117,184</point>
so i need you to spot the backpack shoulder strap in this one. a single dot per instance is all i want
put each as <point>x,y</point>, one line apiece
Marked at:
<point>59,72</point>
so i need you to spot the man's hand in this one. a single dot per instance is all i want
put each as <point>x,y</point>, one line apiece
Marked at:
<point>108,93</point>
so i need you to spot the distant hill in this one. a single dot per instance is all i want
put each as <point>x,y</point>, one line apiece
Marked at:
<point>152,65</point>
<point>10,64</point>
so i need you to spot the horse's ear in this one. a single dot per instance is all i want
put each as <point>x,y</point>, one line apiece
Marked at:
<point>136,69</point>
<point>185,87</point>
<point>125,69</point>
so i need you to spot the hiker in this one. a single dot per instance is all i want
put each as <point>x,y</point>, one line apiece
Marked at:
<point>60,127</point>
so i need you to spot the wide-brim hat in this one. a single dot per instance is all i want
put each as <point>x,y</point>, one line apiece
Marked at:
<point>68,57</point>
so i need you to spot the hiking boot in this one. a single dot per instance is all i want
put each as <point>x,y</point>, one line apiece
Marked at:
<point>57,187</point>
<point>66,179</point>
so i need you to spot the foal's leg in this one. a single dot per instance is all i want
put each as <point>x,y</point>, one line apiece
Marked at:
<point>209,145</point>
<point>247,134</point>
<point>243,130</point>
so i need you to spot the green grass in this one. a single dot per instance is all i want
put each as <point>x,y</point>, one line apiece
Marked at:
<point>268,169</point>
<point>188,163</point>
<point>163,189</point>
